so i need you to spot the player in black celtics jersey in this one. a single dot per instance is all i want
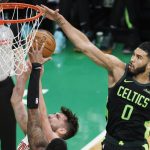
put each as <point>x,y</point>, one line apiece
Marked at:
<point>129,89</point>
<point>128,104</point>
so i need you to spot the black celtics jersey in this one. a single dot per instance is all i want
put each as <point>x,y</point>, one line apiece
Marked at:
<point>129,109</point>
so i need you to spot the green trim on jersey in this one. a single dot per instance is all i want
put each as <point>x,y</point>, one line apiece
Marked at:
<point>146,147</point>
<point>147,126</point>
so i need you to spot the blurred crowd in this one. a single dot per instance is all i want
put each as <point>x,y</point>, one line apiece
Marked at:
<point>105,22</point>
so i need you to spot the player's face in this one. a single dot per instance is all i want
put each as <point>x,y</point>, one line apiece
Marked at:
<point>139,61</point>
<point>57,120</point>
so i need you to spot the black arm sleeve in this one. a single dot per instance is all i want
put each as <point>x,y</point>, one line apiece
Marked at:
<point>33,87</point>
<point>57,144</point>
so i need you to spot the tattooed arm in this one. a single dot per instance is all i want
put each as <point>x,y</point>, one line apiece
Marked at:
<point>36,138</point>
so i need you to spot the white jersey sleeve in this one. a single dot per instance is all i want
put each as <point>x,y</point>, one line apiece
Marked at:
<point>24,145</point>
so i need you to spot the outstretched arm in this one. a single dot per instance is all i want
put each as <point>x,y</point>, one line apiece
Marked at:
<point>17,103</point>
<point>37,140</point>
<point>38,125</point>
<point>82,42</point>
<point>18,91</point>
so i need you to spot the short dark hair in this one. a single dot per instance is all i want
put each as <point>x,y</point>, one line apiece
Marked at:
<point>145,46</point>
<point>72,123</point>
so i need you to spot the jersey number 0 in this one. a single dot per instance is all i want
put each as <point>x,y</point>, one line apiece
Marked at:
<point>127,111</point>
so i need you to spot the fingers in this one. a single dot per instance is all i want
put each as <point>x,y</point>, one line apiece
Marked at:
<point>49,13</point>
<point>43,6</point>
<point>41,49</point>
<point>35,48</point>
<point>57,10</point>
<point>46,9</point>
<point>36,53</point>
<point>47,59</point>
<point>36,45</point>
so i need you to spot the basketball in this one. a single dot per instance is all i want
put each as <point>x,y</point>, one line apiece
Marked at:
<point>43,36</point>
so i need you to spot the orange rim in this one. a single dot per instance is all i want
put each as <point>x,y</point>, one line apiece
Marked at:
<point>20,6</point>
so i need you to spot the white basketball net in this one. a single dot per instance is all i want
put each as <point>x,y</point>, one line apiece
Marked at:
<point>15,42</point>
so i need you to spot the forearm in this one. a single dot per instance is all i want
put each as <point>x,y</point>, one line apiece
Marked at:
<point>87,47</point>
<point>18,90</point>
<point>82,42</point>
<point>21,115</point>
<point>33,87</point>
<point>74,35</point>
<point>18,106</point>
<point>34,128</point>
<point>78,38</point>
<point>37,139</point>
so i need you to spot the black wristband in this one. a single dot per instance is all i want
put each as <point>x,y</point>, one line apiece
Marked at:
<point>33,87</point>
<point>36,66</point>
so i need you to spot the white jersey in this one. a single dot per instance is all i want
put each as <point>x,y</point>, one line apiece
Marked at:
<point>24,145</point>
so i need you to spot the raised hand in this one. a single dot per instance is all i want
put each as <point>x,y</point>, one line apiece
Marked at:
<point>36,56</point>
<point>49,13</point>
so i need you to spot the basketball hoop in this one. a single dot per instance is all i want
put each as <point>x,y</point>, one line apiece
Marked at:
<point>16,35</point>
